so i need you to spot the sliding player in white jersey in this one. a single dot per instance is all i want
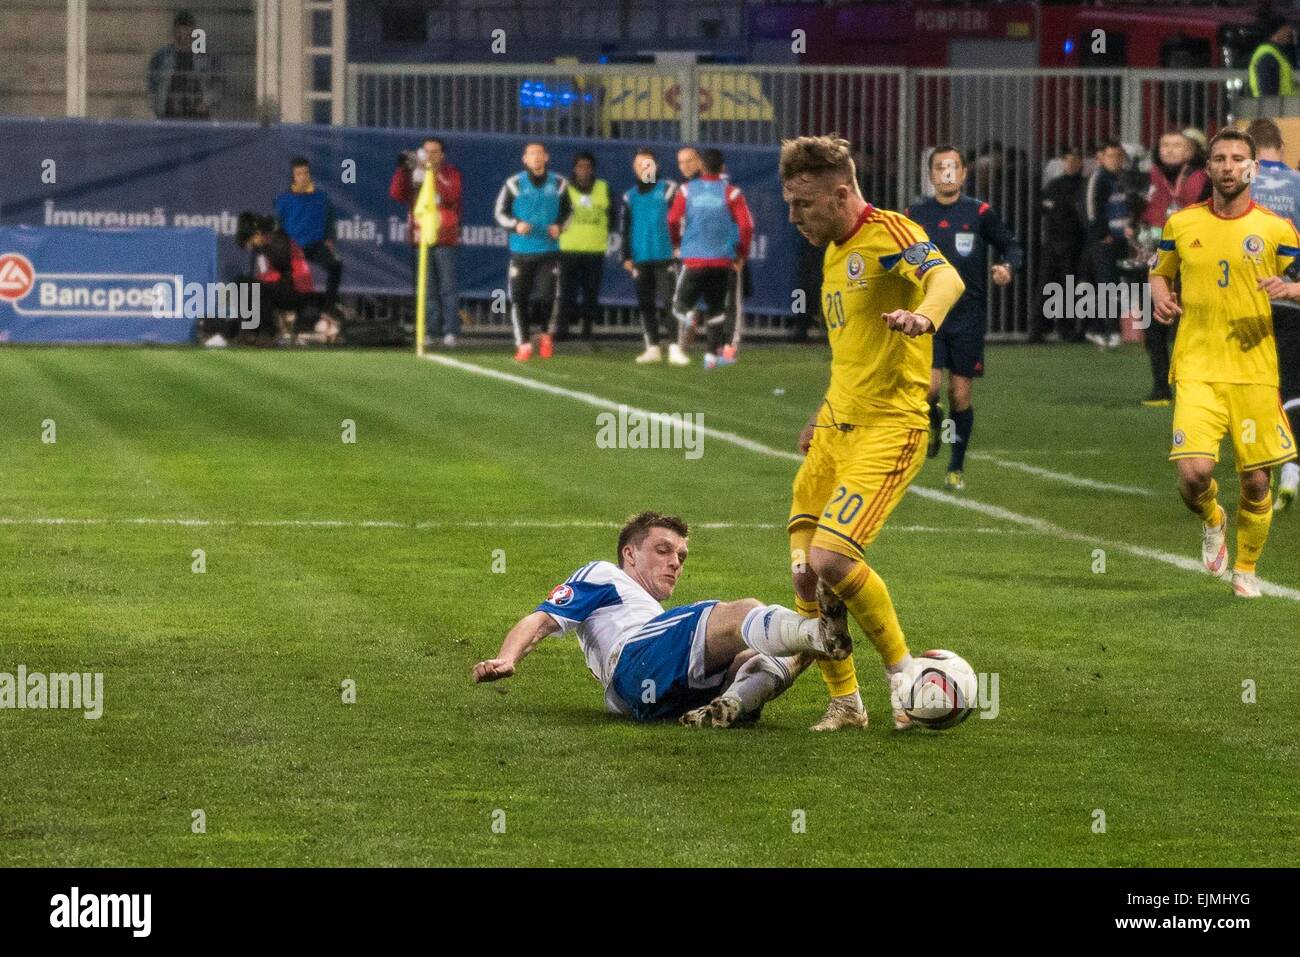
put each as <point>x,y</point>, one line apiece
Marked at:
<point>710,663</point>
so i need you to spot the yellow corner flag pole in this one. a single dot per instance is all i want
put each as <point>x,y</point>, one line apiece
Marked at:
<point>426,220</point>
<point>421,284</point>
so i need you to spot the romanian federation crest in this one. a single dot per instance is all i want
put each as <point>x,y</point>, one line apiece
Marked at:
<point>856,266</point>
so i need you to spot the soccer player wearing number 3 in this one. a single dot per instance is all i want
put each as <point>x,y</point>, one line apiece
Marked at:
<point>1229,254</point>
<point>885,289</point>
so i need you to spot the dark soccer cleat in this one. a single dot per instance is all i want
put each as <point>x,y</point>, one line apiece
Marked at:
<point>936,430</point>
<point>833,625</point>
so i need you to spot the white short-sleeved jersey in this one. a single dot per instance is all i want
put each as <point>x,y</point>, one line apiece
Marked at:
<point>605,607</point>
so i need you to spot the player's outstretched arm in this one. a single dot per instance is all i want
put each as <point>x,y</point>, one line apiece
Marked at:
<point>942,287</point>
<point>522,638</point>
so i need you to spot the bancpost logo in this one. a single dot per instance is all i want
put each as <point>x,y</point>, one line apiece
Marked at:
<point>16,276</point>
<point>79,294</point>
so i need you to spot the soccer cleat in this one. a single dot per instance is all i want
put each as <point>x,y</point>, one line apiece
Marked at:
<point>722,712</point>
<point>936,431</point>
<point>1097,339</point>
<point>842,713</point>
<point>1245,585</point>
<point>677,355</point>
<point>216,342</point>
<point>545,346</point>
<point>898,683</point>
<point>1113,340</point>
<point>833,625</point>
<point>524,352</point>
<point>710,360</point>
<point>729,352</point>
<point>1285,496</point>
<point>651,354</point>
<point>1287,485</point>
<point>1214,547</point>
<point>449,340</point>
<point>954,482</point>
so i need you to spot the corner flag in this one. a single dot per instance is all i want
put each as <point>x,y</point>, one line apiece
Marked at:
<point>426,219</point>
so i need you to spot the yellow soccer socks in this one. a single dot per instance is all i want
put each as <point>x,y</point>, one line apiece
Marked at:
<point>1207,505</point>
<point>868,601</point>
<point>840,676</point>
<point>1253,521</point>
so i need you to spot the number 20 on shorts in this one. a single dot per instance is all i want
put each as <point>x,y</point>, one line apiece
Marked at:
<point>848,507</point>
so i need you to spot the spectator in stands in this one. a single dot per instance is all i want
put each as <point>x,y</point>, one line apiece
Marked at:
<point>744,284</point>
<point>688,163</point>
<point>532,205</point>
<point>1175,183</point>
<point>1064,231</point>
<point>711,223</point>
<point>1110,227</point>
<point>1271,65</point>
<point>1197,139</point>
<point>648,255</point>
<point>182,78</point>
<point>442,294</point>
<point>278,265</point>
<point>584,241</point>
<point>307,215</point>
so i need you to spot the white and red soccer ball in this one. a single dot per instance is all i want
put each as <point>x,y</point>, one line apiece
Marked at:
<point>942,690</point>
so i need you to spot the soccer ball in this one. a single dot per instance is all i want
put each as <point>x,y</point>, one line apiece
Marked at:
<point>941,691</point>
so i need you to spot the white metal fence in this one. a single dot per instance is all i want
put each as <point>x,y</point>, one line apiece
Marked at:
<point>1010,123</point>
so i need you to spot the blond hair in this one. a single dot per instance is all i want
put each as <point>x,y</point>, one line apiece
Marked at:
<point>817,156</point>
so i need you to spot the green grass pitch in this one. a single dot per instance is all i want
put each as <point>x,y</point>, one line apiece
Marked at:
<point>1121,692</point>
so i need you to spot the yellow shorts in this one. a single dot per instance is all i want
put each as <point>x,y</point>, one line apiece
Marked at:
<point>1204,411</point>
<point>851,481</point>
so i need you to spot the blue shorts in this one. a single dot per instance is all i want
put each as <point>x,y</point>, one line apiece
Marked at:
<point>959,343</point>
<point>660,671</point>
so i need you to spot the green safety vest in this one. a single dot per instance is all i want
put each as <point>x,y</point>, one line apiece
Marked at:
<point>588,229</point>
<point>1286,86</point>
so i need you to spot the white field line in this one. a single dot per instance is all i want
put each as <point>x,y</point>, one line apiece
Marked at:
<point>420,526</point>
<point>1064,477</point>
<point>992,511</point>
<point>1044,451</point>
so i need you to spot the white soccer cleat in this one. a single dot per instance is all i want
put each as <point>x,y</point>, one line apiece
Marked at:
<point>1214,547</point>
<point>899,682</point>
<point>1287,485</point>
<point>651,354</point>
<point>449,340</point>
<point>216,342</point>
<point>721,712</point>
<point>1097,339</point>
<point>841,713</point>
<point>1245,585</point>
<point>677,355</point>
<point>1113,340</point>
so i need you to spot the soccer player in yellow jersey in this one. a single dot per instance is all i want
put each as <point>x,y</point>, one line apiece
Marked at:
<point>885,289</point>
<point>1229,255</point>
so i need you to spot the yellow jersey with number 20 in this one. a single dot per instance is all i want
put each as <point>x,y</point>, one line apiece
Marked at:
<point>877,374</point>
